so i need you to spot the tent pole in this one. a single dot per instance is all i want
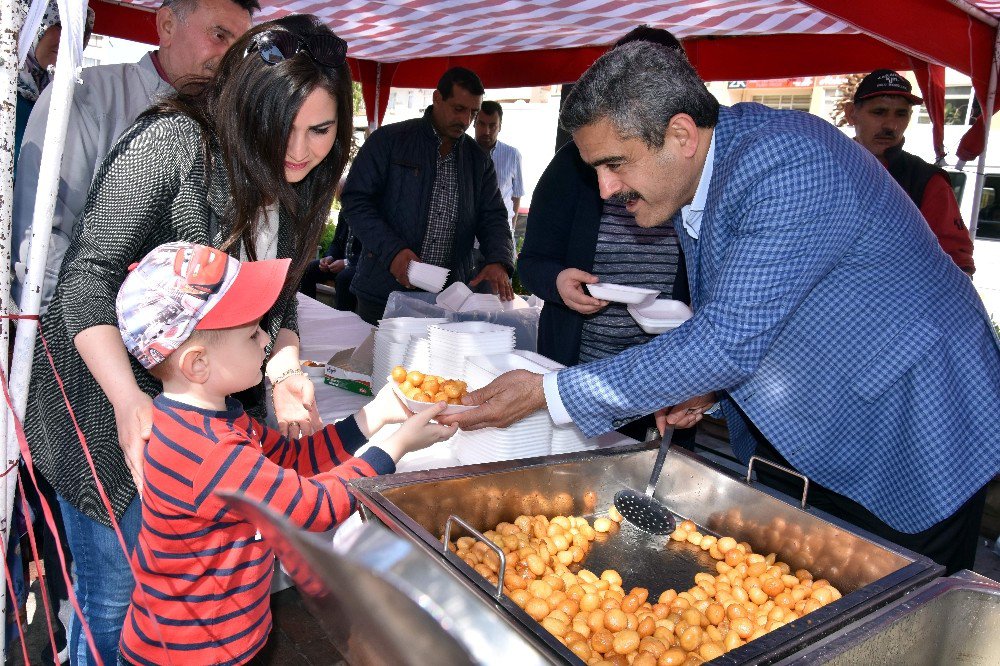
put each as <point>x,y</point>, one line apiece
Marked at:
<point>10,27</point>
<point>981,165</point>
<point>63,82</point>
<point>376,121</point>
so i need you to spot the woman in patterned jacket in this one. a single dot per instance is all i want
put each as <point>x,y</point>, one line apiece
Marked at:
<point>247,162</point>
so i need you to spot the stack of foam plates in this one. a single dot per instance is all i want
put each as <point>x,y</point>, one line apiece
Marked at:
<point>392,339</point>
<point>527,438</point>
<point>568,439</point>
<point>452,343</point>
<point>418,355</point>
<point>660,315</point>
<point>427,276</point>
<point>481,370</point>
<point>481,303</point>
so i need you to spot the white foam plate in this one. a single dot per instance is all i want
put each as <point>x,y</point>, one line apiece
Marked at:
<point>620,293</point>
<point>453,297</point>
<point>418,406</point>
<point>660,315</point>
<point>432,286</point>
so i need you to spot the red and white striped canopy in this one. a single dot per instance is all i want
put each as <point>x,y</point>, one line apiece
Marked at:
<point>409,43</point>
<point>397,30</point>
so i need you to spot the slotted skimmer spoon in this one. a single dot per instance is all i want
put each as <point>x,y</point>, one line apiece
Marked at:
<point>642,510</point>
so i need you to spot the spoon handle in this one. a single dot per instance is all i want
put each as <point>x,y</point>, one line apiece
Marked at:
<point>668,435</point>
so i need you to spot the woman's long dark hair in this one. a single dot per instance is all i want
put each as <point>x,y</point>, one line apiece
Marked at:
<point>250,107</point>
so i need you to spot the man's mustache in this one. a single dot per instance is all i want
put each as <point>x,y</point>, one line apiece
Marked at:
<point>886,134</point>
<point>626,197</point>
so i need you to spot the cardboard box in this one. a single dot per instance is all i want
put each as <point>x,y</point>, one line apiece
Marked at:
<point>355,382</point>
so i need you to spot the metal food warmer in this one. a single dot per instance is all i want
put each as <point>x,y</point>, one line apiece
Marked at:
<point>954,620</point>
<point>421,506</point>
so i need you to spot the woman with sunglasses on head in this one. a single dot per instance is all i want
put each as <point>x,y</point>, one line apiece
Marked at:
<point>247,162</point>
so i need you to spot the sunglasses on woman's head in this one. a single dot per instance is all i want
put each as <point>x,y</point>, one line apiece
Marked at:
<point>274,46</point>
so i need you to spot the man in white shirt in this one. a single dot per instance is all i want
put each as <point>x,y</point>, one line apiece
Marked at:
<point>194,34</point>
<point>506,158</point>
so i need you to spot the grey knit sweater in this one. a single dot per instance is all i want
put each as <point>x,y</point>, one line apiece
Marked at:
<point>152,188</point>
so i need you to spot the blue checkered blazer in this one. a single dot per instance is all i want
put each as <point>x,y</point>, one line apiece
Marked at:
<point>827,312</point>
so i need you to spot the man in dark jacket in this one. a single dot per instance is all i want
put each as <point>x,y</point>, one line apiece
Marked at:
<point>880,113</point>
<point>421,190</point>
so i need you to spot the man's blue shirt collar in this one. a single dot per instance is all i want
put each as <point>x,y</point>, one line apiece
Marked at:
<point>691,213</point>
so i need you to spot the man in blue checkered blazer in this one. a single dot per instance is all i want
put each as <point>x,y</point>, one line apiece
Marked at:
<point>828,320</point>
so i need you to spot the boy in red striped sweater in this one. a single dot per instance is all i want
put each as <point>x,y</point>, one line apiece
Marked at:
<point>190,315</point>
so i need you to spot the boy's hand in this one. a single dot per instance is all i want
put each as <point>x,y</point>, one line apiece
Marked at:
<point>295,407</point>
<point>384,408</point>
<point>134,419</point>
<point>417,432</point>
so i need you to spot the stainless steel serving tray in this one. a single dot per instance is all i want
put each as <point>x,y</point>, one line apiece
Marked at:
<point>381,600</point>
<point>869,571</point>
<point>954,620</point>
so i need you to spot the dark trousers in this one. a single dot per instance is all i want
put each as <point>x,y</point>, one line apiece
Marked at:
<point>951,543</point>
<point>311,277</point>
<point>370,311</point>
<point>343,299</point>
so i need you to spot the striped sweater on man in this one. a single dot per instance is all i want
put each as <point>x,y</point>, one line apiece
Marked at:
<point>203,576</point>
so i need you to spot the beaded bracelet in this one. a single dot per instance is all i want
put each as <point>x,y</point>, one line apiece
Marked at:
<point>291,372</point>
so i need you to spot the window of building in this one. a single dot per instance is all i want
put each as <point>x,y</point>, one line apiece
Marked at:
<point>794,102</point>
<point>960,107</point>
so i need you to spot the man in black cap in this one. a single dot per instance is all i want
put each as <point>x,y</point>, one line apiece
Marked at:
<point>880,113</point>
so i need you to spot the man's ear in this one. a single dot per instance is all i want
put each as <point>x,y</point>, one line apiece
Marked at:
<point>436,97</point>
<point>682,131</point>
<point>194,363</point>
<point>849,110</point>
<point>166,23</point>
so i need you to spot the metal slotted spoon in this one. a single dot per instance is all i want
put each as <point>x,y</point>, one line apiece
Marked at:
<point>643,511</point>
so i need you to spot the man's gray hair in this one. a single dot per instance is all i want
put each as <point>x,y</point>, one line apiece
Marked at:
<point>183,8</point>
<point>638,87</point>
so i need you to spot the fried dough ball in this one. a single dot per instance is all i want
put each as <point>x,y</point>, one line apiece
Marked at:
<point>399,374</point>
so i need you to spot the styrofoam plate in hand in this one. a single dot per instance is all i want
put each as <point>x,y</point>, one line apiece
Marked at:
<point>661,315</point>
<point>621,293</point>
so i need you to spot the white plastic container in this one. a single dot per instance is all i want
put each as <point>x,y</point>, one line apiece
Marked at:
<point>621,293</point>
<point>660,315</point>
<point>453,297</point>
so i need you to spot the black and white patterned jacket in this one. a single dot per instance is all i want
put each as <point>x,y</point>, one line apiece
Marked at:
<point>153,187</point>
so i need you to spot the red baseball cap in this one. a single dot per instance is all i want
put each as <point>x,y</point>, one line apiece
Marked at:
<point>180,287</point>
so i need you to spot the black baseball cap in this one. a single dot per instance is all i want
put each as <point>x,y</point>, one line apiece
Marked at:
<point>885,82</point>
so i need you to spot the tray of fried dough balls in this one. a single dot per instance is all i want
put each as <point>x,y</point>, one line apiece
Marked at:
<point>601,618</point>
<point>747,577</point>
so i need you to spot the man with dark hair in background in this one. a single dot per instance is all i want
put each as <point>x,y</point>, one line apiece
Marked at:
<point>421,190</point>
<point>506,158</point>
<point>880,112</point>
